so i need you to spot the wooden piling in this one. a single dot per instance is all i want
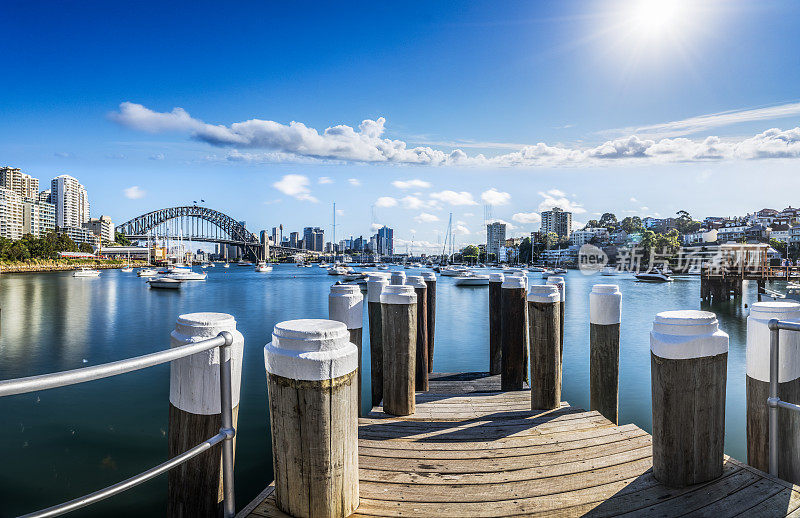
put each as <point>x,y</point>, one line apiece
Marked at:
<point>758,364</point>
<point>313,411</point>
<point>513,333</point>
<point>495,341</point>
<point>421,369</point>
<point>375,285</point>
<point>346,305</point>
<point>430,282</point>
<point>195,487</point>
<point>398,278</point>
<point>605,305</point>
<point>522,274</point>
<point>688,366</point>
<point>399,319</point>
<point>562,291</point>
<point>544,332</point>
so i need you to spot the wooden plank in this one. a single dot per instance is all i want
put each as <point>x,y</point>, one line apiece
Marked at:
<point>741,500</point>
<point>784,503</point>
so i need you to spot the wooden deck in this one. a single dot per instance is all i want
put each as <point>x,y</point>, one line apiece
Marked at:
<point>471,450</point>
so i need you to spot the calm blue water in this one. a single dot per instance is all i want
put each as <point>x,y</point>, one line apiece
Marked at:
<point>62,443</point>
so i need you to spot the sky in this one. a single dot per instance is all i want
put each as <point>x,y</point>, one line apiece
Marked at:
<point>402,114</point>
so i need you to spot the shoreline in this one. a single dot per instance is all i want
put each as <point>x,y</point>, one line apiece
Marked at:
<point>44,268</point>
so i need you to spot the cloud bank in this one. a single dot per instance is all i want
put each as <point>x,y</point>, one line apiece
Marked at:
<point>297,142</point>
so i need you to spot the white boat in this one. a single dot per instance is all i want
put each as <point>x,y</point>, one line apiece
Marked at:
<point>244,263</point>
<point>349,277</point>
<point>452,271</point>
<point>226,265</point>
<point>86,272</point>
<point>559,270</point>
<point>547,273</point>
<point>536,269</point>
<point>147,272</point>
<point>205,265</point>
<point>127,269</point>
<point>469,278</point>
<point>383,267</point>
<point>187,276</point>
<point>609,271</point>
<point>263,267</point>
<point>337,270</point>
<point>167,283</point>
<point>654,275</point>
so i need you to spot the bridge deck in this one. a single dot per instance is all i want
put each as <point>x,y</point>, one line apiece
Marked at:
<point>471,450</point>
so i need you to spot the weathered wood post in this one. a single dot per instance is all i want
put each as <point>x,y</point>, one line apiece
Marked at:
<point>346,305</point>
<point>399,318</point>
<point>513,333</point>
<point>195,414</point>
<point>545,359</point>
<point>421,289</point>
<point>495,341</point>
<point>313,413</point>
<point>522,274</point>
<point>605,312</point>
<point>562,291</point>
<point>758,364</point>
<point>688,367</point>
<point>430,282</point>
<point>398,278</point>
<point>375,285</point>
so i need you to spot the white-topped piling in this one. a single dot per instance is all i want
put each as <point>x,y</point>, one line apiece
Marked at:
<point>758,372</point>
<point>545,358</point>
<point>430,282</point>
<point>421,368</point>
<point>562,291</point>
<point>398,278</point>
<point>195,414</point>
<point>376,282</point>
<point>513,333</point>
<point>605,315</point>
<point>495,341</point>
<point>399,322</point>
<point>688,367</point>
<point>346,305</point>
<point>313,401</point>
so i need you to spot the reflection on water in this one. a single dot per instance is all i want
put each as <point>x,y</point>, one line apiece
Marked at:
<point>70,441</point>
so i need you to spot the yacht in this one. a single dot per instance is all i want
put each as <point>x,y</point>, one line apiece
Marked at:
<point>337,270</point>
<point>86,272</point>
<point>147,272</point>
<point>166,283</point>
<point>469,278</point>
<point>609,271</point>
<point>452,271</point>
<point>536,269</point>
<point>126,269</point>
<point>187,276</point>
<point>559,271</point>
<point>654,275</point>
<point>263,267</point>
<point>226,265</point>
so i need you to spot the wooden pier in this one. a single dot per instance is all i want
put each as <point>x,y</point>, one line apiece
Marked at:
<point>473,450</point>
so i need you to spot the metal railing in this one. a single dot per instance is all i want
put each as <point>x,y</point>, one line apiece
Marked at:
<point>225,435</point>
<point>773,401</point>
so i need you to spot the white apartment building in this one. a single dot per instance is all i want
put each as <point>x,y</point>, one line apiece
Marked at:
<point>102,227</point>
<point>71,201</point>
<point>11,214</point>
<point>495,237</point>
<point>38,218</point>
<point>557,221</point>
<point>581,237</point>
<point>26,186</point>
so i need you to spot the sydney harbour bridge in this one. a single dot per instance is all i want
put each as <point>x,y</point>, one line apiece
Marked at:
<point>198,223</point>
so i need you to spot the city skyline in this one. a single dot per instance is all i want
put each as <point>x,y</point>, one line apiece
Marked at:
<point>675,130</point>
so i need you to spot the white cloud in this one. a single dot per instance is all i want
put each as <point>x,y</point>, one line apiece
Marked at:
<point>324,180</point>
<point>495,197</point>
<point>508,225</point>
<point>454,198</point>
<point>411,184</point>
<point>556,198</point>
<point>634,200</point>
<point>468,214</point>
<point>375,226</point>
<point>273,202</point>
<point>157,156</point>
<point>134,192</point>
<point>296,186</point>
<point>461,229</point>
<point>386,201</point>
<point>415,203</point>
<point>426,218</point>
<point>355,182</point>
<point>298,143</point>
<point>527,218</point>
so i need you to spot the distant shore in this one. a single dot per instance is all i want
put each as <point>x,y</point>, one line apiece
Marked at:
<point>57,266</point>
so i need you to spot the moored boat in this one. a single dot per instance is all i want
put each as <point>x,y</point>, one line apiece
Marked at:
<point>86,272</point>
<point>167,283</point>
<point>469,278</point>
<point>263,267</point>
<point>187,276</point>
<point>654,275</point>
<point>147,272</point>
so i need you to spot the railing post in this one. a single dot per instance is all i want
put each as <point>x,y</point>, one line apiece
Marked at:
<point>311,375</point>
<point>772,402</point>
<point>346,305</point>
<point>202,386</point>
<point>688,368</point>
<point>759,380</point>
<point>430,282</point>
<point>605,304</point>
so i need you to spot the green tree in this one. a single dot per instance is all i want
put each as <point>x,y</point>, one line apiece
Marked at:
<point>550,240</point>
<point>120,239</point>
<point>86,248</point>
<point>525,251</point>
<point>608,220</point>
<point>632,224</point>
<point>685,224</point>
<point>778,245</point>
<point>470,253</point>
<point>592,223</point>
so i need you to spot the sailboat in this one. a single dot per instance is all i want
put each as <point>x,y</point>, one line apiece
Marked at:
<point>127,268</point>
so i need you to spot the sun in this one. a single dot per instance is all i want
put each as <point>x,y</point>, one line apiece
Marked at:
<point>654,17</point>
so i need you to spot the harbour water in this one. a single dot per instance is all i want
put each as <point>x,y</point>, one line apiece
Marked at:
<point>62,443</point>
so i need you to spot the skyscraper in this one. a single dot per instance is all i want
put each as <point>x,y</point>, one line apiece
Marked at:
<point>71,201</point>
<point>26,186</point>
<point>385,241</point>
<point>294,237</point>
<point>495,238</point>
<point>558,221</point>
<point>11,214</point>
<point>314,239</point>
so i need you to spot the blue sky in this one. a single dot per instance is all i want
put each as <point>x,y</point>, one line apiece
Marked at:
<point>271,112</point>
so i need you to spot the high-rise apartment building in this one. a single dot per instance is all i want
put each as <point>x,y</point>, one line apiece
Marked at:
<point>102,227</point>
<point>71,201</point>
<point>38,217</point>
<point>385,241</point>
<point>495,238</point>
<point>558,221</point>
<point>11,214</point>
<point>314,239</point>
<point>294,237</point>
<point>26,186</point>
